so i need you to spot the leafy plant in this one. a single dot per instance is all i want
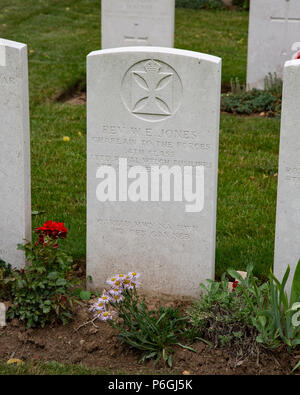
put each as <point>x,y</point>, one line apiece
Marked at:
<point>273,84</point>
<point>236,87</point>
<point>223,317</point>
<point>43,291</point>
<point>153,332</point>
<point>200,4</point>
<point>244,4</point>
<point>250,102</point>
<point>282,308</point>
<point>5,272</point>
<point>235,316</point>
<point>258,298</point>
<point>241,101</point>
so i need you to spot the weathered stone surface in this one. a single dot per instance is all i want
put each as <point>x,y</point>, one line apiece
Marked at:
<point>152,106</point>
<point>287,241</point>
<point>15,205</point>
<point>274,31</point>
<point>127,23</point>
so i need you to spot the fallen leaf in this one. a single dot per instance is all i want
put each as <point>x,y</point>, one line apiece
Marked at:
<point>16,361</point>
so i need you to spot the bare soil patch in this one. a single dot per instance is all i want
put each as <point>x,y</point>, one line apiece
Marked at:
<point>98,346</point>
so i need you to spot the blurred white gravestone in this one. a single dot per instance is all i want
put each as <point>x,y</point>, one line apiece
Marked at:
<point>2,315</point>
<point>154,107</point>
<point>127,23</point>
<point>287,241</point>
<point>274,28</point>
<point>15,205</point>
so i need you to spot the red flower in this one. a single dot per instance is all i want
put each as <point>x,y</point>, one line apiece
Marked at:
<point>52,229</point>
<point>234,285</point>
<point>297,56</point>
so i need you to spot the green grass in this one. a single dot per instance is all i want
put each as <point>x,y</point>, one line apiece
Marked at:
<point>51,368</point>
<point>59,34</point>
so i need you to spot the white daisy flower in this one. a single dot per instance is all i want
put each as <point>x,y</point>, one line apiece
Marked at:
<point>133,284</point>
<point>117,298</point>
<point>133,275</point>
<point>126,283</point>
<point>111,280</point>
<point>121,277</point>
<point>115,291</point>
<point>115,281</point>
<point>105,315</point>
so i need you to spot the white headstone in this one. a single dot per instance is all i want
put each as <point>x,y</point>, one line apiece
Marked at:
<point>127,23</point>
<point>2,315</point>
<point>15,211</point>
<point>287,241</point>
<point>152,106</point>
<point>274,37</point>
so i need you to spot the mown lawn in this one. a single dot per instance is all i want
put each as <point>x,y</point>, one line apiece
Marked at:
<point>50,368</point>
<point>59,34</point>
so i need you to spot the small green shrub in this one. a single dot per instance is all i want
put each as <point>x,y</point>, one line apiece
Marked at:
<point>282,309</point>
<point>253,314</point>
<point>244,4</point>
<point>200,4</point>
<point>227,318</point>
<point>268,101</point>
<point>43,292</point>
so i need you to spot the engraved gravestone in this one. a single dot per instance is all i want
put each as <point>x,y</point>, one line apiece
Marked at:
<point>152,108</point>
<point>274,28</point>
<point>2,315</point>
<point>287,240</point>
<point>128,23</point>
<point>15,211</point>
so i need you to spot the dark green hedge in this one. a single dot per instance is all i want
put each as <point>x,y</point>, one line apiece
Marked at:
<point>200,4</point>
<point>242,3</point>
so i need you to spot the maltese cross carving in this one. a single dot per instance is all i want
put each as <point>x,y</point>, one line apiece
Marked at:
<point>152,90</point>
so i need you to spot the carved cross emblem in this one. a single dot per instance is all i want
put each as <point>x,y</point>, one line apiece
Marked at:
<point>152,90</point>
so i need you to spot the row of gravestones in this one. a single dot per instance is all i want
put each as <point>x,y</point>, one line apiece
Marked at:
<point>174,249</point>
<point>274,31</point>
<point>152,106</point>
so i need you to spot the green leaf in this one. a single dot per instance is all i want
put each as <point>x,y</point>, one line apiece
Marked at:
<point>295,291</point>
<point>262,320</point>
<point>296,367</point>
<point>85,295</point>
<point>187,347</point>
<point>35,212</point>
<point>235,275</point>
<point>52,276</point>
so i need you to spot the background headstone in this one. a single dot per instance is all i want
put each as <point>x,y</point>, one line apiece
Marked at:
<point>274,26</point>
<point>127,23</point>
<point>2,315</point>
<point>172,249</point>
<point>287,241</point>
<point>15,205</point>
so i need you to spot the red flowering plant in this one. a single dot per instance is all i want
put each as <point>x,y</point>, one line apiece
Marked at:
<point>44,291</point>
<point>297,56</point>
<point>51,231</point>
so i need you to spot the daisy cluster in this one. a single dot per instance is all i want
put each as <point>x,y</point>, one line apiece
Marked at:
<point>118,283</point>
